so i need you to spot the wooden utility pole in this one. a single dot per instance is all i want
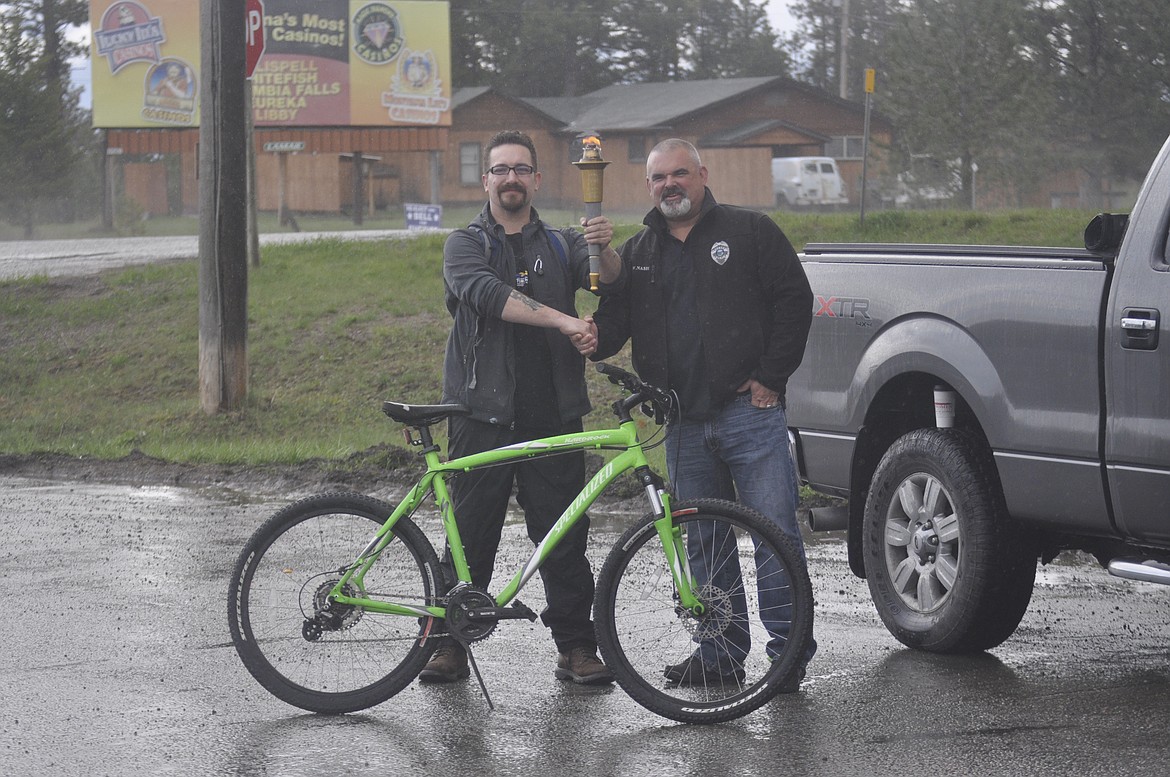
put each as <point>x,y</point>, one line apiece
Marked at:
<point>223,233</point>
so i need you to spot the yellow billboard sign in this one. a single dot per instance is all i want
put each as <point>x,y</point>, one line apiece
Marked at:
<point>338,63</point>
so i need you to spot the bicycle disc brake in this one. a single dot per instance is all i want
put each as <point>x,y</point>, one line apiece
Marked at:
<point>717,613</point>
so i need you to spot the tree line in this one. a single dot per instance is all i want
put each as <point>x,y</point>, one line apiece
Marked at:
<point>46,144</point>
<point>1008,88</point>
<point>989,91</point>
<point>1013,87</point>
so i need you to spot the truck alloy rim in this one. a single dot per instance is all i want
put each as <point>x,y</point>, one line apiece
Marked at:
<point>922,542</point>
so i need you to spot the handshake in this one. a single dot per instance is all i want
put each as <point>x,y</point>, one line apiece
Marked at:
<point>583,335</point>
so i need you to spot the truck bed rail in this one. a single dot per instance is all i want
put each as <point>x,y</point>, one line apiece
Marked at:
<point>948,249</point>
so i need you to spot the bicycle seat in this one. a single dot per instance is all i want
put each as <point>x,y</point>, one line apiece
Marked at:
<point>422,415</point>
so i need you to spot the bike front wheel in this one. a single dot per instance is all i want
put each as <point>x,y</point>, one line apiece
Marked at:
<point>751,635</point>
<point>316,654</point>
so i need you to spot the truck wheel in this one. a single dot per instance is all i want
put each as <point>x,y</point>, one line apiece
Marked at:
<point>947,570</point>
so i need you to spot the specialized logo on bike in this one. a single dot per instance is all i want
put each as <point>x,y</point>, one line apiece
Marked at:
<point>721,252</point>
<point>571,443</point>
<point>588,493</point>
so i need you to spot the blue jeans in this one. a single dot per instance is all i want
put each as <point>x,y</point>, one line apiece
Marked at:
<point>741,455</point>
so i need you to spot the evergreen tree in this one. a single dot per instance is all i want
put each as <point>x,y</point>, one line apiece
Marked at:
<point>650,37</point>
<point>531,48</point>
<point>562,48</point>
<point>816,42</point>
<point>962,86</point>
<point>1109,69</point>
<point>734,39</point>
<point>42,135</point>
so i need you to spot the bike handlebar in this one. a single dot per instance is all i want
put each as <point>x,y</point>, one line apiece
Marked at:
<point>662,401</point>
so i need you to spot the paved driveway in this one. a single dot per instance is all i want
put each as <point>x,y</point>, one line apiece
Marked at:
<point>25,258</point>
<point>117,661</point>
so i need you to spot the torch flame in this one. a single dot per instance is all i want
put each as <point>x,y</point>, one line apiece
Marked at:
<point>591,149</point>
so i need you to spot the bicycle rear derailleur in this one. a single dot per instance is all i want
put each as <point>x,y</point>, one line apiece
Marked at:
<point>329,615</point>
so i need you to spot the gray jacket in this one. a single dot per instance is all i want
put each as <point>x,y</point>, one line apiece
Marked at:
<point>478,368</point>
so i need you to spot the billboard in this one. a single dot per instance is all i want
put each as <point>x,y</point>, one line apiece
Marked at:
<point>336,63</point>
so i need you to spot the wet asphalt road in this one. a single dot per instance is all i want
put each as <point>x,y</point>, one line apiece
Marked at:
<point>23,258</point>
<point>117,661</point>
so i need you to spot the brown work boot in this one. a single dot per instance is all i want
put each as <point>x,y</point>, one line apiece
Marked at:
<point>448,664</point>
<point>582,666</point>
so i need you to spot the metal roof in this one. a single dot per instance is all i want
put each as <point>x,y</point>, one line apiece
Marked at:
<point>646,106</point>
<point>734,136</point>
<point>657,105</point>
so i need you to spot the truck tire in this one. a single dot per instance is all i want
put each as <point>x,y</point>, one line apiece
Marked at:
<point>947,569</point>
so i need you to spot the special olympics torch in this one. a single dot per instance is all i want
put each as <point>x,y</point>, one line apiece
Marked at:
<point>592,168</point>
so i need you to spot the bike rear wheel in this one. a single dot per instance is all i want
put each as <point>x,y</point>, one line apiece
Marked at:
<point>642,629</point>
<point>322,656</point>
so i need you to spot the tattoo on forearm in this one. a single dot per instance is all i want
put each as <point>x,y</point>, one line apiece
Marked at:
<point>526,300</point>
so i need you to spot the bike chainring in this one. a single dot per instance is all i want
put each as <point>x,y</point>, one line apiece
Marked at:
<point>459,625</point>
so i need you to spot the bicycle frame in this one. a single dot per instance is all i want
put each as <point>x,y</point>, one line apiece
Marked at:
<point>631,457</point>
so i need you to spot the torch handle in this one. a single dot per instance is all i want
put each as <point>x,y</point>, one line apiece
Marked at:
<point>593,210</point>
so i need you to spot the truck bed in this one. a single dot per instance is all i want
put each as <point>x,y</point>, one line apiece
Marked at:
<point>1015,330</point>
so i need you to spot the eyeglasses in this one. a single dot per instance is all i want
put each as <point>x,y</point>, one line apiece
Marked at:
<point>521,171</point>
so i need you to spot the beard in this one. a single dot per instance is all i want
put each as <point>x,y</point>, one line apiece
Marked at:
<point>676,210</point>
<point>513,205</point>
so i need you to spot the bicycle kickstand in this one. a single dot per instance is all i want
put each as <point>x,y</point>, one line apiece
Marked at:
<point>475,668</point>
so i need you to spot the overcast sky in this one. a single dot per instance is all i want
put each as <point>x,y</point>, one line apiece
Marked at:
<point>778,15</point>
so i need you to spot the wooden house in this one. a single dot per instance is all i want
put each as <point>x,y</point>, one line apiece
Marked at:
<point>738,124</point>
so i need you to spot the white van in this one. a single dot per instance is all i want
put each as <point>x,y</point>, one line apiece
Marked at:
<point>807,182</point>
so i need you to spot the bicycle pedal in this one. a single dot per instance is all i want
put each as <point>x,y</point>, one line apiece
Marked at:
<point>522,611</point>
<point>516,611</point>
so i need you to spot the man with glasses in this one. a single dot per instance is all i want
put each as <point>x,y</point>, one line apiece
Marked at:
<point>515,358</point>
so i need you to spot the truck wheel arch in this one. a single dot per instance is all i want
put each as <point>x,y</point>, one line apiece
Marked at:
<point>902,405</point>
<point>891,394</point>
<point>908,348</point>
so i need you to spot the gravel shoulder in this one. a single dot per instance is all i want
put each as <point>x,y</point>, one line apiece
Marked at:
<point>378,470</point>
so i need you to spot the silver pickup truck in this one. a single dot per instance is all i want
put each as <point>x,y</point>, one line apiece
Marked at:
<point>986,407</point>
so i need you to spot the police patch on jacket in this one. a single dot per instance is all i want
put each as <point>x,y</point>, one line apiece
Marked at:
<point>720,252</point>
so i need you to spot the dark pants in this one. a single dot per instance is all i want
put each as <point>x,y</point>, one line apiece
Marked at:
<point>544,488</point>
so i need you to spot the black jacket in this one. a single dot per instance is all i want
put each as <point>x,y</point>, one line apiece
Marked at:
<point>754,301</point>
<point>479,365</point>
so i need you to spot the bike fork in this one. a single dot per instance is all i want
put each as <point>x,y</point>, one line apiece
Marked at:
<point>671,538</point>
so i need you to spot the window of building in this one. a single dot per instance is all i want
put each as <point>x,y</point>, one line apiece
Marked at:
<point>636,150</point>
<point>470,167</point>
<point>845,147</point>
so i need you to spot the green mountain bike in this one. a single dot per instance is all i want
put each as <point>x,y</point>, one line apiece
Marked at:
<point>338,600</point>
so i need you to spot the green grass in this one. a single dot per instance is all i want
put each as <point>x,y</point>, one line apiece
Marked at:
<point>1023,227</point>
<point>107,365</point>
<point>166,226</point>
